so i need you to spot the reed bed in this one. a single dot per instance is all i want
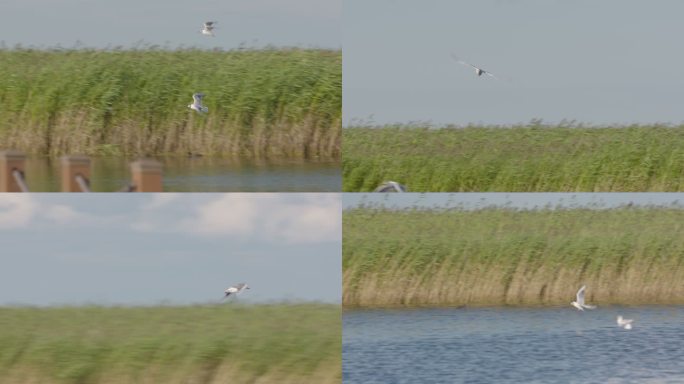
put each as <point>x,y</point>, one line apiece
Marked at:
<point>499,256</point>
<point>523,158</point>
<point>293,343</point>
<point>274,102</point>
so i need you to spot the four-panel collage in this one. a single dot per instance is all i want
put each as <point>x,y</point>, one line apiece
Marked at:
<point>341,191</point>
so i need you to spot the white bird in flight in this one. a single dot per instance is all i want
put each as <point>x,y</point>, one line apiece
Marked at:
<point>208,28</point>
<point>197,103</point>
<point>579,304</point>
<point>235,289</point>
<point>478,71</point>
<point>391,186</point>
<point>624,323</point>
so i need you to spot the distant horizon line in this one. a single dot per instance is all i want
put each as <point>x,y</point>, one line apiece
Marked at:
<point>533,122</point>
<point>173,305</point>
<point>149,46</point>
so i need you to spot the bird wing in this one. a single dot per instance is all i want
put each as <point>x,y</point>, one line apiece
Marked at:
<point>468,64</point>
<point>398,187</point>
<point>230,290</point>
<point>490,74</point>
<point>197,98</point>
<point>209,23</point>
<point>462,62</point>
<point>580,295</point>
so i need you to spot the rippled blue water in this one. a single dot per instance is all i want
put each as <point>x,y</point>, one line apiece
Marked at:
<point>504,345</point>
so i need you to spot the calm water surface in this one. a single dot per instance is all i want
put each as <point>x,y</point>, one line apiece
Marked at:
<point>503,345</point>
<point>199,175</point>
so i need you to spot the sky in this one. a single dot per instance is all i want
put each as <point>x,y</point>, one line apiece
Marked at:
<point>149,249</point>
<point>513,200</point>
<point>595,62</point>
<point>102,23</point>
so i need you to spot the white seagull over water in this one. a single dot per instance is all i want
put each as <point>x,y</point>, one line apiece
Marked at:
<point>478,71</point>
<point>197,103</point>
<point>235,289</point>
<point>390,186</point>
<point>624,323</point>
<point>208,28</point>
<point>579,304</point>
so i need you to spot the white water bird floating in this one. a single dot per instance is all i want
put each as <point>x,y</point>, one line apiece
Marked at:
<point>235,289</point>
<point>624,323</point>
<point>478,71</point>
<point>579,304</point>
<point>208,28</point>
<point>390,186</point>
<point>197,103</point>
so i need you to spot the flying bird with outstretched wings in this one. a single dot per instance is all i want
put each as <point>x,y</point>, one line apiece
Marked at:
<point>235,289</point>
<point>478,71</point>
<point>208,28</point>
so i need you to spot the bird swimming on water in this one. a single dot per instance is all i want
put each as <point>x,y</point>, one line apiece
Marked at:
<point>624,323</point>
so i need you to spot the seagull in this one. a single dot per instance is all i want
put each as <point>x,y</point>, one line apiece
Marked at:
<point>197,103</point>
<point>391,186</point>
<point>624,323</point>
<point>208,28</point>
<point>579,304</point>
<point>236,289</point>
<point>478,71</point>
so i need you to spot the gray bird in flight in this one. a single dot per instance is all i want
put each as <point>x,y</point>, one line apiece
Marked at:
<point>478,71</point>
<point>579,303</point>
<point>391,186</point>
<point>208,28</point>
<point>235,289</point>
<point>197,103</point>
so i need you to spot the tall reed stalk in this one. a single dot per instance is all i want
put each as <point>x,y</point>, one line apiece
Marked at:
<point>524,158</point>
<point>512,257</point>
<point>262,102</point>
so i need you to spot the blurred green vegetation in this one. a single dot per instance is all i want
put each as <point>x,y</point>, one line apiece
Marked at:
<point>274,102</point>
<point>295,343</point>
<point>523,158</point>
<point>500,256</point>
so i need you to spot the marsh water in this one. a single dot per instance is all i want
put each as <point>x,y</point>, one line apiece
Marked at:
<point>513,345</point>
<point>202,174</point>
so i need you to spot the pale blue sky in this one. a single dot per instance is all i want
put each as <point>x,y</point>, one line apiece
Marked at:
<point>513,200</point>
<point>99,23</point>
<point>606,61</point>
<point>176,248</point>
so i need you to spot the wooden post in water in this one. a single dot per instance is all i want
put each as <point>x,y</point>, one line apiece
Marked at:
<point>73,168</point>
<point>11,161</point>
<point>147,175</point>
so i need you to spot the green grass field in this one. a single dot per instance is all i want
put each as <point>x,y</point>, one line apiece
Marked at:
<point>512,257</point>
<point>526,158</point>
<point>262,103</point>
<point>195,344</point>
